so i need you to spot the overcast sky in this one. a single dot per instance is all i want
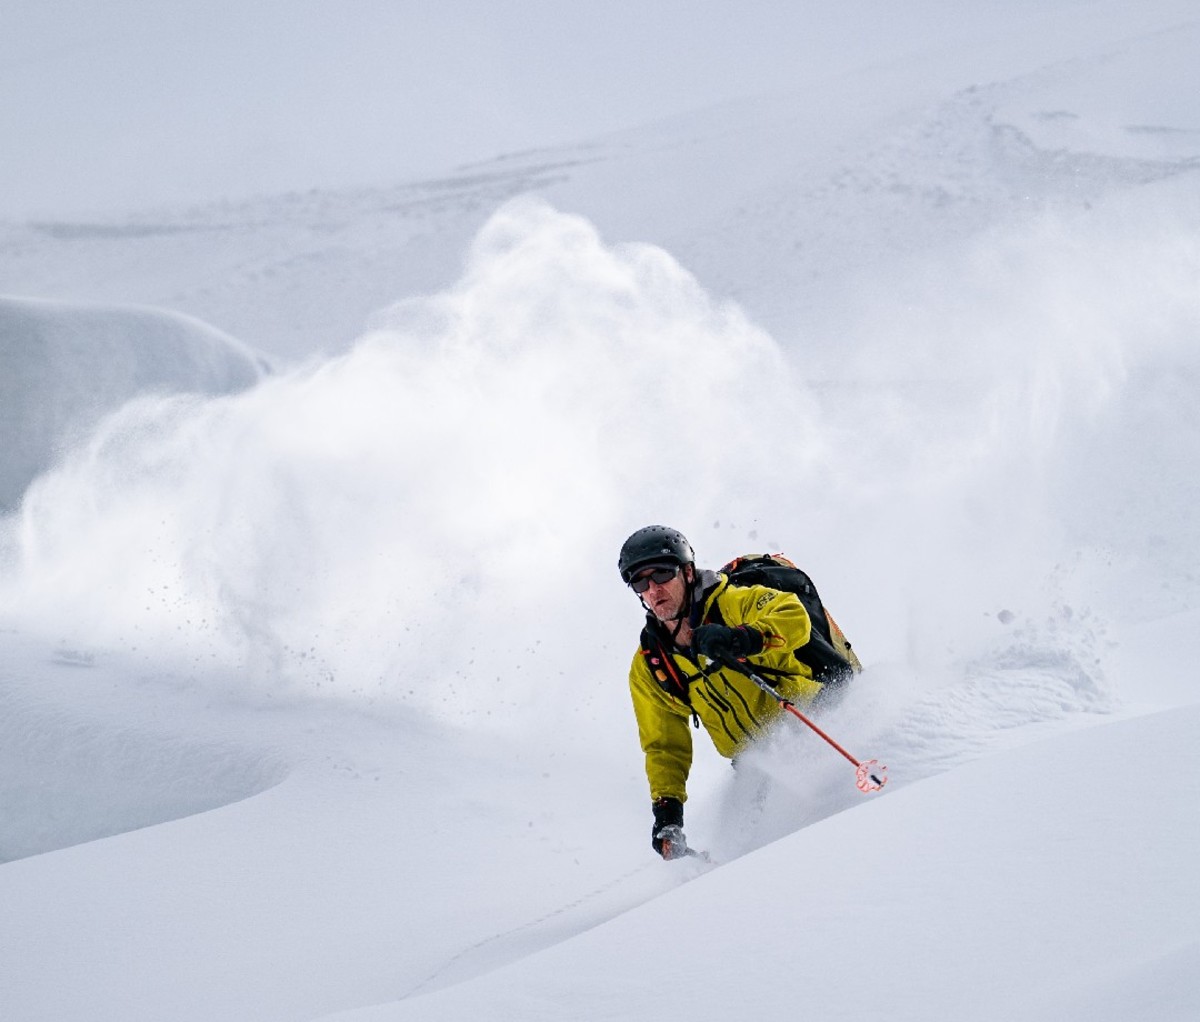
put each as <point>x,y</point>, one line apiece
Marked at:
<point>112,106</point>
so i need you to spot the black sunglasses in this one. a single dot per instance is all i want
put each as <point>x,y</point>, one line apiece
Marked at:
<point>658,575</point>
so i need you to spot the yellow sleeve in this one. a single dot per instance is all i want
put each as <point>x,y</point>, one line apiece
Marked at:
<point>663,731</point>
<point>780,618</point>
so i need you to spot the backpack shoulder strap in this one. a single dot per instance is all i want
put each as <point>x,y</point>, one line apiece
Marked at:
<point>662,666</point>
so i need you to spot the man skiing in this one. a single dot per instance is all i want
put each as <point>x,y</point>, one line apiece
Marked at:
<point>697,625</point>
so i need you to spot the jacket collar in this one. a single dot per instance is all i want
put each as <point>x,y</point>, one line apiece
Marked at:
<point>708,583</point>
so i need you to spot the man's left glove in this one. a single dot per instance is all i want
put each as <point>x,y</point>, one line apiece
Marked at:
<point>719,642</point>
<point>666,836</point>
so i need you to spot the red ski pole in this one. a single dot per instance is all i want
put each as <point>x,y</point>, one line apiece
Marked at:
<point>871,774</point>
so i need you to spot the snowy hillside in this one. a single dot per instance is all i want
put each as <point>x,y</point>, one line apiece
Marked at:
<point>312,691</point>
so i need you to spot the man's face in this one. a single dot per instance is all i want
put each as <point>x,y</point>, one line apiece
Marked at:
<point>663,599</point>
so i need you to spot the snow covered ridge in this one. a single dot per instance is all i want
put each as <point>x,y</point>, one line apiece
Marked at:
<point>793,208</point>
<point>63,366</point>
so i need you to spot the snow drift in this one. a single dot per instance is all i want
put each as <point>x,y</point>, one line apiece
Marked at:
<point>63,366</point>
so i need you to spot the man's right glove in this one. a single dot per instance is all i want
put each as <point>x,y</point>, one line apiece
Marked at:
<point>720,642</point>
<point>667,835</point>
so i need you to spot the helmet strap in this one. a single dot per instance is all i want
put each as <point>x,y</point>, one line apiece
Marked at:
<point>685,611</point>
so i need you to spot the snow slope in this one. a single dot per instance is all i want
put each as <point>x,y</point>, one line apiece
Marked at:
<point>312,694</point>
<point>986,893</point>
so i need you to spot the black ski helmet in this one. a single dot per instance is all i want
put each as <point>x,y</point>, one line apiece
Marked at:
<point>654,544</point>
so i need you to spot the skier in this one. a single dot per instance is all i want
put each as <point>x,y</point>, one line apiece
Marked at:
<point>696,623</point>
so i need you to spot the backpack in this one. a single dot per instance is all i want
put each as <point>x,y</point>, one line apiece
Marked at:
<point>827,653</point>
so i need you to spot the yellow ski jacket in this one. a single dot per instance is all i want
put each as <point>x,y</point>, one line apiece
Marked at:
<point>672,688</point>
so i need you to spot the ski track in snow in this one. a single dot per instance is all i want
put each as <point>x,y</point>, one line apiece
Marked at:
<point>607,901</point>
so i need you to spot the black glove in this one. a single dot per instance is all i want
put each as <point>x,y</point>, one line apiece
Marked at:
<point>718,642</point>
<point>666,837</point>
